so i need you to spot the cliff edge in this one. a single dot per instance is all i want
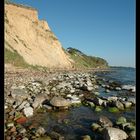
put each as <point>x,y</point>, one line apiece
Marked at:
<point>32,38</point>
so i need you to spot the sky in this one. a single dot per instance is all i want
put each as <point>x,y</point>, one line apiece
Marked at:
<point>102,28</point>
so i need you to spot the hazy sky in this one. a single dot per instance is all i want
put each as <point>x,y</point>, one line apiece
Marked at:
<point>103,28</point>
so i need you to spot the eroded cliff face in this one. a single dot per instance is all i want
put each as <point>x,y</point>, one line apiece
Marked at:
<point>32,38</point>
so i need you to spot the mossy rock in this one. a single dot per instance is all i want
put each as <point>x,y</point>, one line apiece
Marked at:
<point>98,108</point>
<point>95,126</point>
<point>113,109</point>
<point>121,120</point>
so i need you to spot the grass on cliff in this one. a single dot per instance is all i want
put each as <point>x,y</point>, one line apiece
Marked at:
<point>14,58</point>
<point>84,61</point>
<point>17,60</point>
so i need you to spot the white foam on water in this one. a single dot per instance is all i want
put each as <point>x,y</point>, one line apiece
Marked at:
<point>129,87</point>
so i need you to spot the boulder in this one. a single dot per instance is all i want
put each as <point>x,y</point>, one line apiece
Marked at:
<point>59,102</point>
<point>111,133</point>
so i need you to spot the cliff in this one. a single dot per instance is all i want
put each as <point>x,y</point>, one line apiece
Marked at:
<point>32,38</point>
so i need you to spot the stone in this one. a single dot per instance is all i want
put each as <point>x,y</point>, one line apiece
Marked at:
<point>95,126</point>
<point>105,122</point>
<point>23,105</point>
<point>113,109</point>
<point>111,133</point>
<point>127,104</point>
<point>112,98</point>
<point>86,137</point>
<point>132,135</point>
<point>22,130</point>
<point>107,90</point>
<point>131,99</point>
<point>21,120</point>
<point>39,100</point>
<point>118,88</point>
<point>59,102</point>
<point>121,120</point>
<point>48,107</point>
<point>98,101</point>
<point>98,108</point>
<point>41,131</point>
<point>11,124</point>
<point>119,105</point>
<point>13,129</point>
<point>19,94</point>
<point>28,111</point>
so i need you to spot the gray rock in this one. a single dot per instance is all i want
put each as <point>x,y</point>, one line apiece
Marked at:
<point>39,100</point>
<point>112,98</point>
<point>47,107</point>
<point>127,104</point>
<point>132,99</point>
<point>23,105</point>
<point>119,105</point>
<point>111,133</point>
<point>105,122</point>
<point>19,94</point>
<point>59,102</point>
<point>28,111</point>
<point>118,88</point>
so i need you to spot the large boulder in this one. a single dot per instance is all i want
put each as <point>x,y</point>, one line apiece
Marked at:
<point>59,102</point>
<point>111,133</point>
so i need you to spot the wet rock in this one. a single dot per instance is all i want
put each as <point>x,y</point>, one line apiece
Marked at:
<point>28,111</point>
<point>86,137</point>
<point>119,105</point>
<point>112,98</point>
<point>127,104</point>
<point>111,133</point>
<point>59,102</point>
<point>121,120</point>
<point>105,122</point>
<point>113,109</point>
<point>98,108</point>
<point>132,135</point>
<point>107,90</point>
<point>95,126</point>
<point>132,99</point>
<point>118,88</point>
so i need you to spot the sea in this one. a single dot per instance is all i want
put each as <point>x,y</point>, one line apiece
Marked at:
<point>123,75</point>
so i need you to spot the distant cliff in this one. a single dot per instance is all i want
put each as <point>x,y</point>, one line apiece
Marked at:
<point>82,60</point>
<point>32,39</point>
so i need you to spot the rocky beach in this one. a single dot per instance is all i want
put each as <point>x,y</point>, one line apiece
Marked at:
<point>67,105</point>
